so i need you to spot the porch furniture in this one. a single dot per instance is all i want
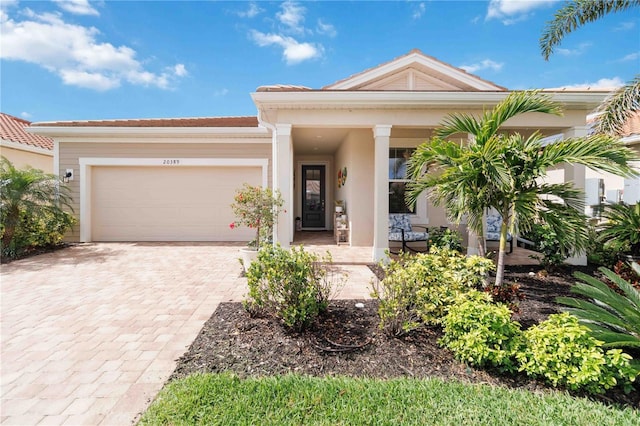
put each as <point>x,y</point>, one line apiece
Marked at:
<point>340,228</point>
<point>494,222</point>
<point>401,230</point>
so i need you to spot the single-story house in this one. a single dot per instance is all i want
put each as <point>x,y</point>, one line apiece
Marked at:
<point>174,179</point>
<point>23,148</point>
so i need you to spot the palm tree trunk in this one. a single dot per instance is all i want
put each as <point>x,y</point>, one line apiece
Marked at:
<point>501,253</point>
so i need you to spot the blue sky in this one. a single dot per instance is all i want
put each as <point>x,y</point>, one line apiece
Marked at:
<point>76,60</point>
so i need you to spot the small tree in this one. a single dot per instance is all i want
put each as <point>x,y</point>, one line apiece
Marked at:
<point>256,208</point>
<point>28,192</point>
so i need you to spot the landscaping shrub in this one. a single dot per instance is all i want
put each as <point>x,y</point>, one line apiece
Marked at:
<point>417,289</point>
<point>599,254</point>
<point>613,316</point>
<point>445,238</point>
<point>547,244</point>
<point>626,272</point>
<point>481,333</point>
<point>38,230</point>
<point>507,293</point>
<point>562,352</point>
<point>290,284</point>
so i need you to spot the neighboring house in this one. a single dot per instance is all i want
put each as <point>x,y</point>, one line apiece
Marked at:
<point>22,148</point>
<point>174,179</point>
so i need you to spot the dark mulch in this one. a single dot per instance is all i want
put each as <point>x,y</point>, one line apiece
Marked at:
<point>33,251</point>
<point>346,341</point>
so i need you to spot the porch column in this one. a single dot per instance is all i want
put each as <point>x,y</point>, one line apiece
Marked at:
<point>381,133</point>
<point>283,182</point>
<point>576,174</point>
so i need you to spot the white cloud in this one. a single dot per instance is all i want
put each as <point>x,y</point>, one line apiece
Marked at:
<point>73,52</point>
<point>77,7</point>
<point>418,10</point>
<point>512,11</point>
<point>630,57</point>
<point>324,28</point>
<point>582,48</point>
<point>253,11</point>
<point>293,51</point>
<point>625,26</point>
<point>180,70</point>
<point>292,16</point>
<point>25,115</point>
<point>221,92</point>
<point>603,83</point>
<point>483,65</point>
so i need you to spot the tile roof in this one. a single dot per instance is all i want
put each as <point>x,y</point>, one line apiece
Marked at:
<point>251,121</point>
<point>13,129</point>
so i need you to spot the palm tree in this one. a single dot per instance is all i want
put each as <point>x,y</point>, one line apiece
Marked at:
<point>617,109</point>
<point>505,172</point>
<point>465,171</point>
<point>27,190</point>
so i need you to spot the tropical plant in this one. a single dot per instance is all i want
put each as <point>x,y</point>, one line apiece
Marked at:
<point>27,196</point>
<point>256,208</point>
<point>613,318</point>
<point>546,243</point>
<point>621,229</point>
<point>481,333</point>
<point>417,290</point>
<point>562,351</point>
<point>445,238</point>
<point>505,172</point>
<point>293,285</point>
<point>616,109</point>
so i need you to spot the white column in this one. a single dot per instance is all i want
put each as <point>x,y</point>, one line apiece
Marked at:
<point>381,134</point>
<point>576,174</point>
<point>282,181</point>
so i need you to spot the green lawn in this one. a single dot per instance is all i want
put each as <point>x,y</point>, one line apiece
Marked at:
<point>212,399</point>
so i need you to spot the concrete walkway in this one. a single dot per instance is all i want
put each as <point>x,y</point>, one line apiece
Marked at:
<point>89,334</point>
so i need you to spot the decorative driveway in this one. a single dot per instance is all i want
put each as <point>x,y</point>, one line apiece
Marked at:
<point>89,334</point>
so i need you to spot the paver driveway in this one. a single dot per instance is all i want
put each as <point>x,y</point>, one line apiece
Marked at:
<point>90,333</point>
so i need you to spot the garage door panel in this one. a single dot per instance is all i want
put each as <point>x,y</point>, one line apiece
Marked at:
<point>167,204</point>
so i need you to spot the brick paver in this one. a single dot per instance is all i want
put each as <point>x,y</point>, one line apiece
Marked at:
<point>89,334</point>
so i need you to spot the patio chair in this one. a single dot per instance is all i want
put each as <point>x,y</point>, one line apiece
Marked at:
<point>494,222</point>
<point>401,230</point>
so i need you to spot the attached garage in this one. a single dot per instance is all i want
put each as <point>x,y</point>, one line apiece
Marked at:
<point>180,199</point>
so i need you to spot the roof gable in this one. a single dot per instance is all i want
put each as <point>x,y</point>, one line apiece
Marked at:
<point>415,71</point>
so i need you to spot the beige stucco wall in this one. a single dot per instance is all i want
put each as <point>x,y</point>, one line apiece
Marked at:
<point>356,154</point>
<point>70,152</point>
<point>22,159</point>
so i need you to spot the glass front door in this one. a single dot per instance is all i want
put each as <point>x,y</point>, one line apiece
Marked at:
<point>313,197</point>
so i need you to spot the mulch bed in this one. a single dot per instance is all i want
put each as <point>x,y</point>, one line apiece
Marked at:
<point>346,341</point>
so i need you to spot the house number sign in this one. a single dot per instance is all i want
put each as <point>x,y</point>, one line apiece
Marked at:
<point>171,162</point>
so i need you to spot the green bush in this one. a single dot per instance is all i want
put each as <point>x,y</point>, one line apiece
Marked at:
<point>562,352</point>
<point>481,333</point>
<point>290,284</point>
<point>445,239</point>
<point>418,289</point>
<point>45,228</point>
<point>547,244</point>
<point>599,254</point>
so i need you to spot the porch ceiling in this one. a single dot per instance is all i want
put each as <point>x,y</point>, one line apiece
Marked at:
<point>317,140</point>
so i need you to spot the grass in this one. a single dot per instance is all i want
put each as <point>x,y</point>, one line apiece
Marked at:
<point>224,399</point>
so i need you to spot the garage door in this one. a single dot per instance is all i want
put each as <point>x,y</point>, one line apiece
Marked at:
<point>167,203</point>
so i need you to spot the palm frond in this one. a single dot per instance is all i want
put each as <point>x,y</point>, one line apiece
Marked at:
<point>618,108</point>
<point>575,14</point>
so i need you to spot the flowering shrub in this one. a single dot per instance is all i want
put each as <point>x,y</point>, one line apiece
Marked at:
<point>256,208</point>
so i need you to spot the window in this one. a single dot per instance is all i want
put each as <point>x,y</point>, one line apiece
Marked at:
<point>398,158</point>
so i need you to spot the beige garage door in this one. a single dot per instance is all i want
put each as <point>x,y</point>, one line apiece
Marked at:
<point>167,203</point>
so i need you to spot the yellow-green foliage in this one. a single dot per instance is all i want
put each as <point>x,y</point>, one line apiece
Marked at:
<point>562,351</point>
<point>418,289</point>
<point>290,284</point>
<point>481,333</point>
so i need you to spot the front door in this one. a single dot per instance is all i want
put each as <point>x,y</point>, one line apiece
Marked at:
<point>313,197</point>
